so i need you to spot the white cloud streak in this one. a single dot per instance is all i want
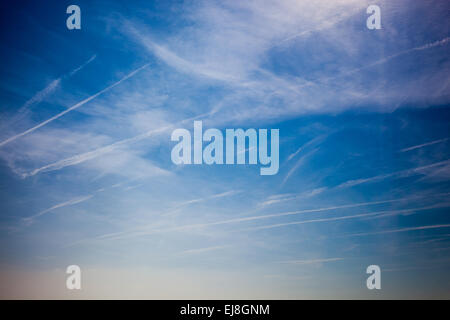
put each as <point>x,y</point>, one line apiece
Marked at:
<point>142,231</point>
<point>41,95</point>
<point>80,158</point>
<point>289,197</point>
<point>313,261</point>
<point>203,250</point>
<point>402,173</point>
<point>79,104</point>
<point>363,215</point>
<point>430,45</point>
<point>298,164</point>
<point>71,202</point>
<point>309,143</point>
<point>74,71</point>
<point>423,145</point>
<point>214,196</point>
<point>435,226</point>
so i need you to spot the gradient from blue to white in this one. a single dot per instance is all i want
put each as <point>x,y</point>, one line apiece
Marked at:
<point>364,149</point>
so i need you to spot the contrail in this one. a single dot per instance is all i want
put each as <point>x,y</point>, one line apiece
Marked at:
<point>41,95</point>
<point>402,173</point>
<point>301,262</point>
<point>436,226</point>
<point>214,196</point>
<point>423,145</point>
<point>328,23</point>
<point>307,144</point>
<point>144,230</point>
<point>298,164</point>
<point>141,231</point>
<point>291,197</point>
<point>378,62</point>
<point>79,158</point>
<point>199,200</point>
<point>395,55</point>
<point>60,205</point>
<point>83,65</point>
<point>362,215</point>
<point>79,104</point>
<point>38,97</point>
<point>203,250</point>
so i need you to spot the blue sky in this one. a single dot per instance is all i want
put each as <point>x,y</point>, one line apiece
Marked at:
<point>86,175</point>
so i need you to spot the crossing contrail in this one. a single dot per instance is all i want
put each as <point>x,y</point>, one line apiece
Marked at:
<point>44,93</point>
<point>79,104</point>
<point>80,158</point>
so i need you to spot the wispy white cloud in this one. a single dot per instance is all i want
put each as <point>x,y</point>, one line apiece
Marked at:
<point>204,50</point>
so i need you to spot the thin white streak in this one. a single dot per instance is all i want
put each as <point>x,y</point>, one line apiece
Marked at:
<point>83,65</point>
<point>134,233</point>
<point>301,262</point>
<point>41,95</point>
<point>298,164</point>
<point>295,153</point>
<point>378,62</point>
<point>435,206</point>
<point>379,214</point>
<point>396,55</point>
<point>203,250</point>
<point>57,206</point>
<point>328,23</point>
<point>133,187</point>
<point>423,145</point>
<point>215,196</point>
<point>436,226</point>
<point>79,104</point>
<point>290,196</point>
<point>402,173</point>
<point>313,141</point>
<point>80,158</point>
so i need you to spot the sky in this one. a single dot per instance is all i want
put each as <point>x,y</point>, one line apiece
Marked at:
<point>86,176</point>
